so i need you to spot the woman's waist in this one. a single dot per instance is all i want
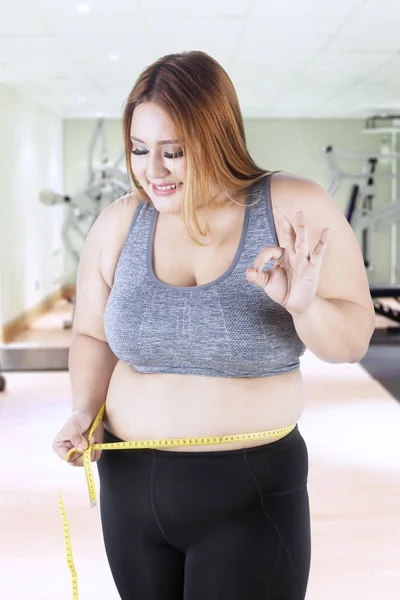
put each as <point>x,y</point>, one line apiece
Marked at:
<point>149,407</point>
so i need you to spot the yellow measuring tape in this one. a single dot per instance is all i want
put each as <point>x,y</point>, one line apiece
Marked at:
<point>136,445</point>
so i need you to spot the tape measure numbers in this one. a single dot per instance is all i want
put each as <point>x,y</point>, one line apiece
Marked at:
<point>68,548</point>
<point>139,445</point>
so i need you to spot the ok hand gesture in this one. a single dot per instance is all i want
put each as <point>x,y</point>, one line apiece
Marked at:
<point>293,280</point>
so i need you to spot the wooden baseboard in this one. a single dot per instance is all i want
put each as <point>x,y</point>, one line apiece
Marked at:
<point>22,323</point>
<point>68,291</point>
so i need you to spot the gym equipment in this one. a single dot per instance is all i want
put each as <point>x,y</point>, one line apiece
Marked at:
<point>105,184</point>
<point>22,358</point>
<point>386,292</point>
<point>360,212</point>
<point>363,216</point>
<point>337,175</point>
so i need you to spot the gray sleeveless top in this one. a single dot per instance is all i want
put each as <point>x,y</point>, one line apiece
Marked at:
<point>226,328</point>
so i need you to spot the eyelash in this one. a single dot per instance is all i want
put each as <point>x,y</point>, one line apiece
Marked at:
<point>166,154</point>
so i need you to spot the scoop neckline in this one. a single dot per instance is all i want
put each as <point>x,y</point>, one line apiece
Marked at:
<point>192,288</point>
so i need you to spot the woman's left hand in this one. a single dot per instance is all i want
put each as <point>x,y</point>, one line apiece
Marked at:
<point>293,280</point>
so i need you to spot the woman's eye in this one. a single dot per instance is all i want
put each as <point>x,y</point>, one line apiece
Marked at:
<point>176,155</point>
<point>137,152</point>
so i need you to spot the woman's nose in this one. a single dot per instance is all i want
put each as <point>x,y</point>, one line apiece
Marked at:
<point>155,168</point>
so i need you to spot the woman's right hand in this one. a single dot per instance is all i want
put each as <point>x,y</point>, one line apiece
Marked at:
<point>72,435</point>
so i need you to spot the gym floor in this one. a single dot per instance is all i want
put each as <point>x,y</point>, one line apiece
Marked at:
<point>351,428</point>
<point>382,360</point>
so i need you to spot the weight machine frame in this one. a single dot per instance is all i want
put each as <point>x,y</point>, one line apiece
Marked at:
<point>360,212</point>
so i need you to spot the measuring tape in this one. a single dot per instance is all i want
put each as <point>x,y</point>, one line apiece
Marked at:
<point>136,445</point>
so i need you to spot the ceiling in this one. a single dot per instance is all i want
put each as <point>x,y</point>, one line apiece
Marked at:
<point>287,58</point>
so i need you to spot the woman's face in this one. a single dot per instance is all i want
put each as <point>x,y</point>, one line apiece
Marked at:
<point>157,158</point>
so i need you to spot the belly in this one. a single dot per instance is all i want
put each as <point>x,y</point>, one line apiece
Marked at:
<point>160,406</point>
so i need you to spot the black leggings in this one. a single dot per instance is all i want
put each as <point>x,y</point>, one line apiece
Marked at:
<point>207,525</point>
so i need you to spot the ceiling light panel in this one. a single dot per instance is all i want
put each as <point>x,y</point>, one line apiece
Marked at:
<point>297,98</point>
<point>194,31</point>
<point>45,73</point>
<point>279,37</point>
<point>358,99</point>
<point>370,35</point>
<point>202,9</point>
<point>387,73</point>
<point>278,30</point>
<point>254,46</point>
<point>253,89</point>
<point>391,104</point>
<point>21,26</point>
<point>380,9</point>
<point>330,79</point>
<point>108,26</point>
<point>217,37</point>
<point>93,50</point>
<point>359,63</point>
<point>305,8</point>
<point>20,48</point>
<point>83,8</point>
<point>300,108</point>
<point>374,93</point>
<point>269,62</point>
<point>16,8</point>
<point>97,7</point>
<point>271,50</point>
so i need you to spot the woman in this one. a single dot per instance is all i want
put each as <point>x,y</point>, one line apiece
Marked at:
<point>196,295</point>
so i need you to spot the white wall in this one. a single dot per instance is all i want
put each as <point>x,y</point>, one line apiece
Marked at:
<point>294,146</point>
<point>31,250</point>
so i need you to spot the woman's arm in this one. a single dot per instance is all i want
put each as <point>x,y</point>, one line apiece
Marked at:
<point>336,331</point>
<point>338,325</point>
<point>91,361</point>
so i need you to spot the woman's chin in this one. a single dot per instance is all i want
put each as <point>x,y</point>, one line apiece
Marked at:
<point>168,203</point>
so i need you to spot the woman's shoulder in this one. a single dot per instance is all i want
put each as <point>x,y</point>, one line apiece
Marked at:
<point>111,230</point>
<point>123,208</point>
<point>111,227</point>
<point>288,184</point>
<point>114,221</point>
<point>294,192</point>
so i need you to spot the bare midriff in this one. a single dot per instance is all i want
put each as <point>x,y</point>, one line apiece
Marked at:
<point>163,406</point>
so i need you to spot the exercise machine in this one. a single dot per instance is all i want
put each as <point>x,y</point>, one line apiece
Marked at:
<point>379,294</point>
<point>106,183</point>
<point>366,218</point>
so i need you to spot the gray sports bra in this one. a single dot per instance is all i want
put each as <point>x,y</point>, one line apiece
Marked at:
<point>225,328</point>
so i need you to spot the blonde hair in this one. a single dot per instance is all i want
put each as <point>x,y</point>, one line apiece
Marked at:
<point>199,97</point>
